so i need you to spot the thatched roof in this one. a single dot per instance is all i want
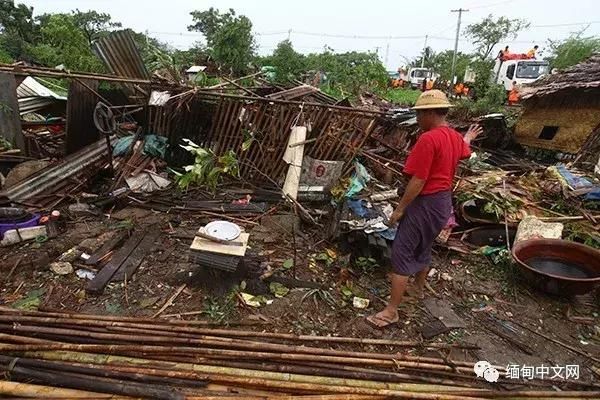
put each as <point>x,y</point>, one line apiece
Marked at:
<point>585,75</point>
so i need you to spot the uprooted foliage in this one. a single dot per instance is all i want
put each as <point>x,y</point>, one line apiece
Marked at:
<point>208,168</point>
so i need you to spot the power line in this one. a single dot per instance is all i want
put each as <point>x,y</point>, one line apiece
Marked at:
<point>474,7</point>
<point>565,24</point>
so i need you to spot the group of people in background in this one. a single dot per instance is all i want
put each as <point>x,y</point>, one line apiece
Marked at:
<point>505,54</point>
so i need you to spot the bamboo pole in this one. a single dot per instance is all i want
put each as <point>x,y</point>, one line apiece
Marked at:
<point>89,383</point>
<point>18,70</point>
<point>115,318</point>
<point>137,376</point>
<point>249,346</point>
<point>212,370</point>
<point>117,349</point>
<point>19,389</point>
<point>205,340</point>
<point>144,323</point>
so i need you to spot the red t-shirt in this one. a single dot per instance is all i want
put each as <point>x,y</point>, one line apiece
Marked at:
<point>435,157</point>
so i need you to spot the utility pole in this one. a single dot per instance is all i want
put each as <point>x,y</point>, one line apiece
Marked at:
<point>424,52</point>
<point>289,34</point>
<point>459,11</point>
<point>387,53</point>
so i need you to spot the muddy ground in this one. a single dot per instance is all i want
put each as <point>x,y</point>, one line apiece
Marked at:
<point>486,297</point>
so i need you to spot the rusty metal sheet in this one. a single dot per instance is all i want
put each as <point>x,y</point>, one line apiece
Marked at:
<point>81,130</point>
<point>120,54</point>
<point>49,179</point>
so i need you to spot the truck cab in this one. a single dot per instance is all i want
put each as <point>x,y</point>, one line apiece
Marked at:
<point>522,71</point>
<point>417,75</point>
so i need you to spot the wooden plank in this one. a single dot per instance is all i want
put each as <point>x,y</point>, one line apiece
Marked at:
<point>97,284</point>
<point>442,310</point>
<point>133,262</point>
<point>107,247</point>
<point>434,328</point>
<point>10,120</point>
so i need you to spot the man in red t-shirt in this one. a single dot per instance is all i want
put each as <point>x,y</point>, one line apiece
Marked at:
<point>426,205</point>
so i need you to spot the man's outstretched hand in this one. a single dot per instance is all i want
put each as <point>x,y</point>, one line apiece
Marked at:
<point>474,131</point>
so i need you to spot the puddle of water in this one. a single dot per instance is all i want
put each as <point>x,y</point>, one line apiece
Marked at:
<point>559,267</point>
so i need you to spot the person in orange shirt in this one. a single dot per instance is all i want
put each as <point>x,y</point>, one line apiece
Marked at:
<point>429,84</point>
<point>458,89</point>
<point>531,53</point>
<point>513,95</point>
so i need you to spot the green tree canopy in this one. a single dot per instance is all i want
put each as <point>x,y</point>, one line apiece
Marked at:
<point>228,36</point>
<point>288,63</point>
<point>573,50</point>
<point>17,28</point>
<point>349,73</point>
<point>63,42</point>
<point>441,63</point>
<point>94,24</point>
<point>491,31</point>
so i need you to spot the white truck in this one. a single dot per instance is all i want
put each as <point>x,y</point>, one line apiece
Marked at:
<point>508,71</point>
<point>522,71</point>
<point>415,76</point>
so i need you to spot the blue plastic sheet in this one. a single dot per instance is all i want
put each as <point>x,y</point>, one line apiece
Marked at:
<point>123,146</point>
<point>579,182</point>
<point>359,180</point>
<point>155,146</point>
<point>576,182</point>
<point>389,234</point>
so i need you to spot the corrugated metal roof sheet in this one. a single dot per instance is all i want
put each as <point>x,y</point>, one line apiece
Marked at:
<point>32,88</point>
<point>33,96</point>
<point>44,180</point>
<point>120,54</point>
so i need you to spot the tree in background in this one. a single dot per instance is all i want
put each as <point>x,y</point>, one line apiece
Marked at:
<point>288,63</point>
<point>94,24</point>
<point>441,63</point>
<point>426,58</point>
<point>573,50</point>
<point>491,31</point>
<point>228,36</point>
<point>349,73</point>
<point>63,42</point>
<point>17,28</point>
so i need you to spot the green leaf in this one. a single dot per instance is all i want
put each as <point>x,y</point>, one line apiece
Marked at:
<point>278,289</point>
<point>322,257</point>
<point>247,143</point>
<point>346,291</point>
<point>30,302</point>
<point>289,263</point>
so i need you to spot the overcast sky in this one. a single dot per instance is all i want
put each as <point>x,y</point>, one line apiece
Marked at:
<point>399,26</point>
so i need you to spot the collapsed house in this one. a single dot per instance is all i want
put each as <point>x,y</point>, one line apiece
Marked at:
<point>304,217</point>
<point>562,111</point>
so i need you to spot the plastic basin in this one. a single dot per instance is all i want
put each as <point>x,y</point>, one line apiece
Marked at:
<point>558,267</point>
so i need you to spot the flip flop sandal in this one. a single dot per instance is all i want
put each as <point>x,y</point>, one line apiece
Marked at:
<point>371,320</point>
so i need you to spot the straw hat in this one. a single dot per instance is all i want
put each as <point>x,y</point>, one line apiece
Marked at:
<point>432,99</point>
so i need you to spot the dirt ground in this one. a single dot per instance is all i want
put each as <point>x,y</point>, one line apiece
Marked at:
<point>486,297</point>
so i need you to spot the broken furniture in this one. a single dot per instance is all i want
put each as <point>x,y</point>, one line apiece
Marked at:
<point>220,245</point>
